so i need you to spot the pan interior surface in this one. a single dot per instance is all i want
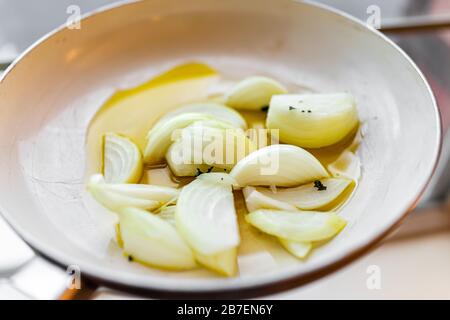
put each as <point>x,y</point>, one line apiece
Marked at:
<point>52,93</point>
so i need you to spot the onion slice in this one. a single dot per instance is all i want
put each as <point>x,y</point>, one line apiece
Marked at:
<point>216,110</point>
<point>297,249</point>
<point>150,240</point>
<point>313,120</point>
<point>279,165</point>
<point>310,196</point>
<point>160,137</point>
<point>253,93</point>
<point>205,146</point>
<point>224,263</point>
<point>206,217</point>
<point>122,159</point>
<point>117,196</point>
<point>302,226</point>
<point>256,200</point>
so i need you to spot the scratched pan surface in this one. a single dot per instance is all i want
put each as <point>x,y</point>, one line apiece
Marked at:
<point>49,95</point>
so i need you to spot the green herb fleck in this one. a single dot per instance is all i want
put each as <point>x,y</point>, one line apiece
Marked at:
<point>265,109</point>
<point>319,185</point>
<point>199,172</point>
<point>292,108</point>
<point>130,259</point>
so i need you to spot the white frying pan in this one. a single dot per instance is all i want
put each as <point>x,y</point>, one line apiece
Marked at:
<point>48,96</point>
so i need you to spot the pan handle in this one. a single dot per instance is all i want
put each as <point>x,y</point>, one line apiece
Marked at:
<point>26,275</point>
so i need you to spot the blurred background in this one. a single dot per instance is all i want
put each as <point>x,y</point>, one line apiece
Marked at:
<point>412,263</point>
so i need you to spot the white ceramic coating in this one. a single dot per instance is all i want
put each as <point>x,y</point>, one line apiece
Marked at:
<point>49,95</point>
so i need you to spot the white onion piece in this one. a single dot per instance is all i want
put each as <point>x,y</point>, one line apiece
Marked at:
<point>122,159</point>
<point>347,165</point>
<point>205,146</point>
<point>253,93</point>
<point>224,263</point>
<point>297,249</point>
<point>217,110</point>
<point>159,138</point>
<point>116,196</point>
<point>179,168</point>
<point>206,217</point>
<point>302,226</point>
<point>313,120</point>
<point>279,165</point>
<point>256,200</point>
<point>308,197</point>
<point>150,240</point>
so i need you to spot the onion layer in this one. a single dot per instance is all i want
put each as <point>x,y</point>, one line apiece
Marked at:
<point>117,196</point>
<point>216,110</point>
<point>206,217</point>
<point>122,159</point>
<point>313,120</point>
<point>160,137</point>
<point>150,240</point>
<point>297,249</point>
<point>279,165</point>
<point>253,93</point>
<point>310,196</point>
<point>304,226</point>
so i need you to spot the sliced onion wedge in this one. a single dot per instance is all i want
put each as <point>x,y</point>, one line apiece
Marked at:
<point>256,200</point>
<point>253,93</point>
<point>207,146</point>
<point>174,160</point>
<point>122,159</point>
<point>302,226</point>
<point>279,165</point>
<point>217,110</point>
<point>150,240</point>
<point>117,196</point>
<point>297,249</point>
<point>309,197</point>
<point>160,136</point>
<point>313,120</point>
<point>224,263</point>
<point>206,217</point>
<point>347,165</point>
